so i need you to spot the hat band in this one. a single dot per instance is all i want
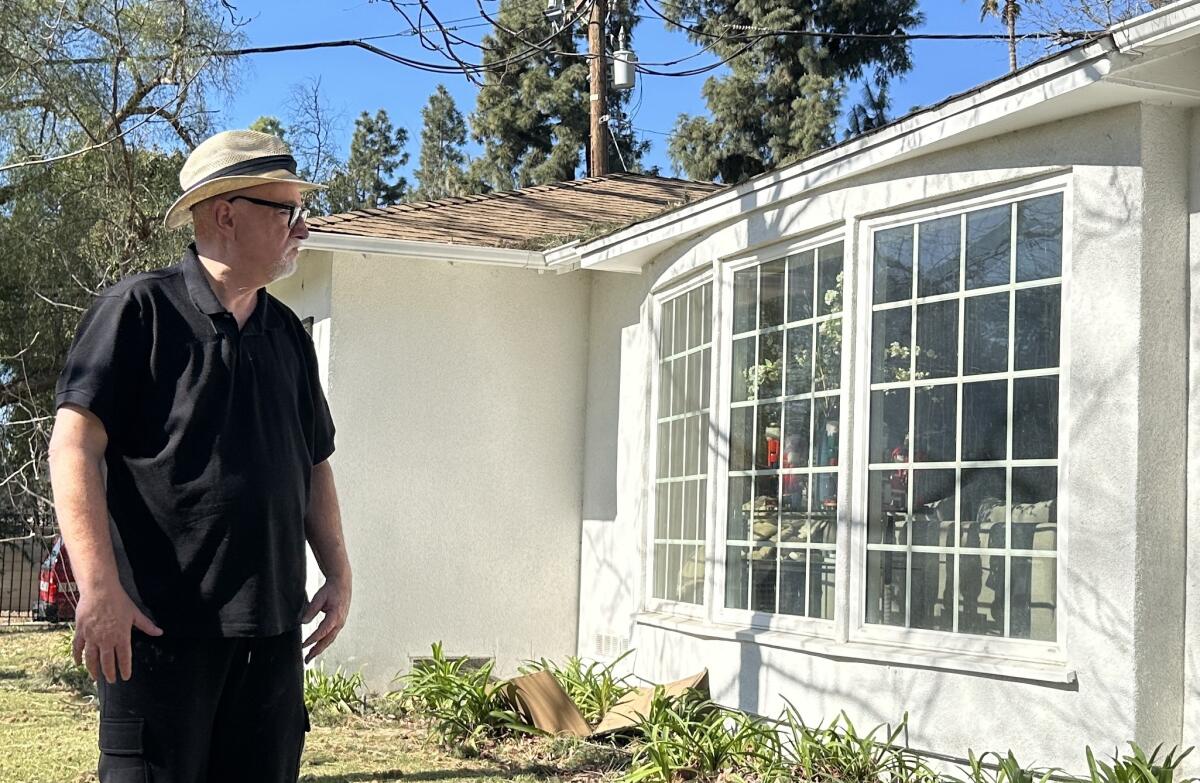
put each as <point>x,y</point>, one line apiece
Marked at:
<point>252,166</point>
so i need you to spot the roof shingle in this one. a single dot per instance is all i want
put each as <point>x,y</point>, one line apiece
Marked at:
<point>533,217</point>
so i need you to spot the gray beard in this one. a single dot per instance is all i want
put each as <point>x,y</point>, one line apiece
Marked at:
<point>283,268</point>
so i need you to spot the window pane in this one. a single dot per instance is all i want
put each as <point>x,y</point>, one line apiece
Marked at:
<point>691,390</point>
<point>666,332</point>
<point>741,503</point>
<point>933,507</point>
<point>737,577</point>
<point>675,514</point>
<point>769,375</point>
<point>986,344</point>
<point>1035,418</point>
<point>799,360</point>
<point>936,422</point>
<point>664,450</point>
<point>706,328</point>
<point>893,264</point>
<point>796,427</point>
<point>691,575</point>
<point>938,251</point>
<point>829,355</point>
<point>691,446</point>
<point>829,279</point>
<point>741,438</point>
<point>745,300</point>
<point>1034,598</point>
<point>765,523</point>
<point>743,374</point>
<point>705,376</point>
<point>660,570</point>
<point>937,340</point>
<point>932,591</point>
<point>681,324</point>
<point>887,507</point>
<point>762,579</point>
<point>800,286</point>
<point>696,319</point>
<point>1039,238</point>
<point>982,508</point>
<point>1035,508</point>
<point>825,431</point>
<point>793,489</point>
<point>702,511</point>
<point>766,438</point>
<point>823,519</point>
<point>885,587</point>
<point>661,510</point>
<point>1036,323</point>
<point>889,425</point>
<point>820,584</point>
<point>770,303</point>
<point>985,421</point>
<point>891,334</point>
<point>793,573</point>
<point>678,384</point>
<point>689,510</point>
<point>677,447</point>
<point>988,243</point>
<point>981,591</point>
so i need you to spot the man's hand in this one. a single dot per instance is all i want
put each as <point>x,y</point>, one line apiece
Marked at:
<point>102,626</point>
<point>333,599</point>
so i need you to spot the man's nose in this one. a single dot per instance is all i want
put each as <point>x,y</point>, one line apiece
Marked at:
<point>300,230</point>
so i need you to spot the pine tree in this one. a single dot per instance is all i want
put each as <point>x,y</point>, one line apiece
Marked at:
<point>440,172</point>
<point>872,112</point>
<point>376,151</point>
<point>532,116</point>
<point>271,125</point>
<point>781,99</point>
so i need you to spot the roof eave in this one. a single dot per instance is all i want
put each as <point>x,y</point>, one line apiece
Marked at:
<point>412,250</point>
<point>954,122</point>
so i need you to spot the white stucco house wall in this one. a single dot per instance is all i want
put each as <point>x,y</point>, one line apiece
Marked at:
<point>912,425</point>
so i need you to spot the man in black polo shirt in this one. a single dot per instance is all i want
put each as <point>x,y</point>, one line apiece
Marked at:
<point>189,465</point>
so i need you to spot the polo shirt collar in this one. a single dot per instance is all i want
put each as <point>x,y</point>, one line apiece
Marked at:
<point>207,302</point>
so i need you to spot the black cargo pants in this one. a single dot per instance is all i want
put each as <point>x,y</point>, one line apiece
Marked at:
<point>205,710</point>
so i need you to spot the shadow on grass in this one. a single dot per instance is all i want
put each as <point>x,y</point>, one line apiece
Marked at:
<point>399,774</point>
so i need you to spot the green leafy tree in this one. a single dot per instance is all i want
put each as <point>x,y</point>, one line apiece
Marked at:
<point>271,125</point>
<point>532,114</point>
<point>782,97</point>
<point>441,167</point>
<point>366,181</point>
<point>98,102</point>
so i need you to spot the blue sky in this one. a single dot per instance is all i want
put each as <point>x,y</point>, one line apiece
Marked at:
<point>354,80</point>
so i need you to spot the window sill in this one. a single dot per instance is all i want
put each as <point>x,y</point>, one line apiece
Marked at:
<point>1056,673</point>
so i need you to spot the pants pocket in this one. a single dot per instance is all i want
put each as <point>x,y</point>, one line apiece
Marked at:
<point>122,758</point>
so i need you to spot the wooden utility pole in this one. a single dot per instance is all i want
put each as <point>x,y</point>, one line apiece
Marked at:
<point>598,99</point>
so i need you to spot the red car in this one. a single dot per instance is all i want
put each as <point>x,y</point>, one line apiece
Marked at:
<point>57,593</point>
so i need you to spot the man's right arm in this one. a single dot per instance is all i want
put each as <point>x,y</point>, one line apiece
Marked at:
<point>105,613</point>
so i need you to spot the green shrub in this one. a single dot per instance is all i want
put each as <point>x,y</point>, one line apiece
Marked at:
<point>62,671</point>
<point>594,688</point>
<point>1136,768</point>
<point>338,693</point>
<point>690,736</point>
<point>837,752</point>
<point>464,706</point>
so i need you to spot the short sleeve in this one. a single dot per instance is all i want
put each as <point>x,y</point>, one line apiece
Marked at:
<point>105,361</point>
<point>322,424</point>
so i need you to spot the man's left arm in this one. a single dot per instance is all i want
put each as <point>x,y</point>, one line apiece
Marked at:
<point>323,528</point>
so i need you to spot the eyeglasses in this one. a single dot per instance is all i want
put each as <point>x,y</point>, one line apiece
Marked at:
<point>295,211</point>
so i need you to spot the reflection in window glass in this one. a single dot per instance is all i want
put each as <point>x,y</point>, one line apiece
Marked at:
<point>682,458</point>
<point>784,436</point>
<point>962,481</point>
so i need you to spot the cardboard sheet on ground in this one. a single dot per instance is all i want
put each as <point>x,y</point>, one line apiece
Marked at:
<point>541,702</point>
<point>633,707</point>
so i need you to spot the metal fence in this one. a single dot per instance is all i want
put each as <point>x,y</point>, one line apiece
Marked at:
<point>20,562</point>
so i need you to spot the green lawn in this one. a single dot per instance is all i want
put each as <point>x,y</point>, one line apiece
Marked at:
<point>48,733</point>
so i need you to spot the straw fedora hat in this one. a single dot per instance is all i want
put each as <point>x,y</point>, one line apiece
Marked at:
<point>231,161</point>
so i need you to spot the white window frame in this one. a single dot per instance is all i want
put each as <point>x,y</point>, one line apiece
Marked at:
<point>947,641</point>
<point>719,475</point>
<point>678,287</point>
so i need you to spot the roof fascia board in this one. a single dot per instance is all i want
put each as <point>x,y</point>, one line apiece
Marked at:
<point>1158,27</point>
<point>1074,70</point>
<point>425,251</point>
